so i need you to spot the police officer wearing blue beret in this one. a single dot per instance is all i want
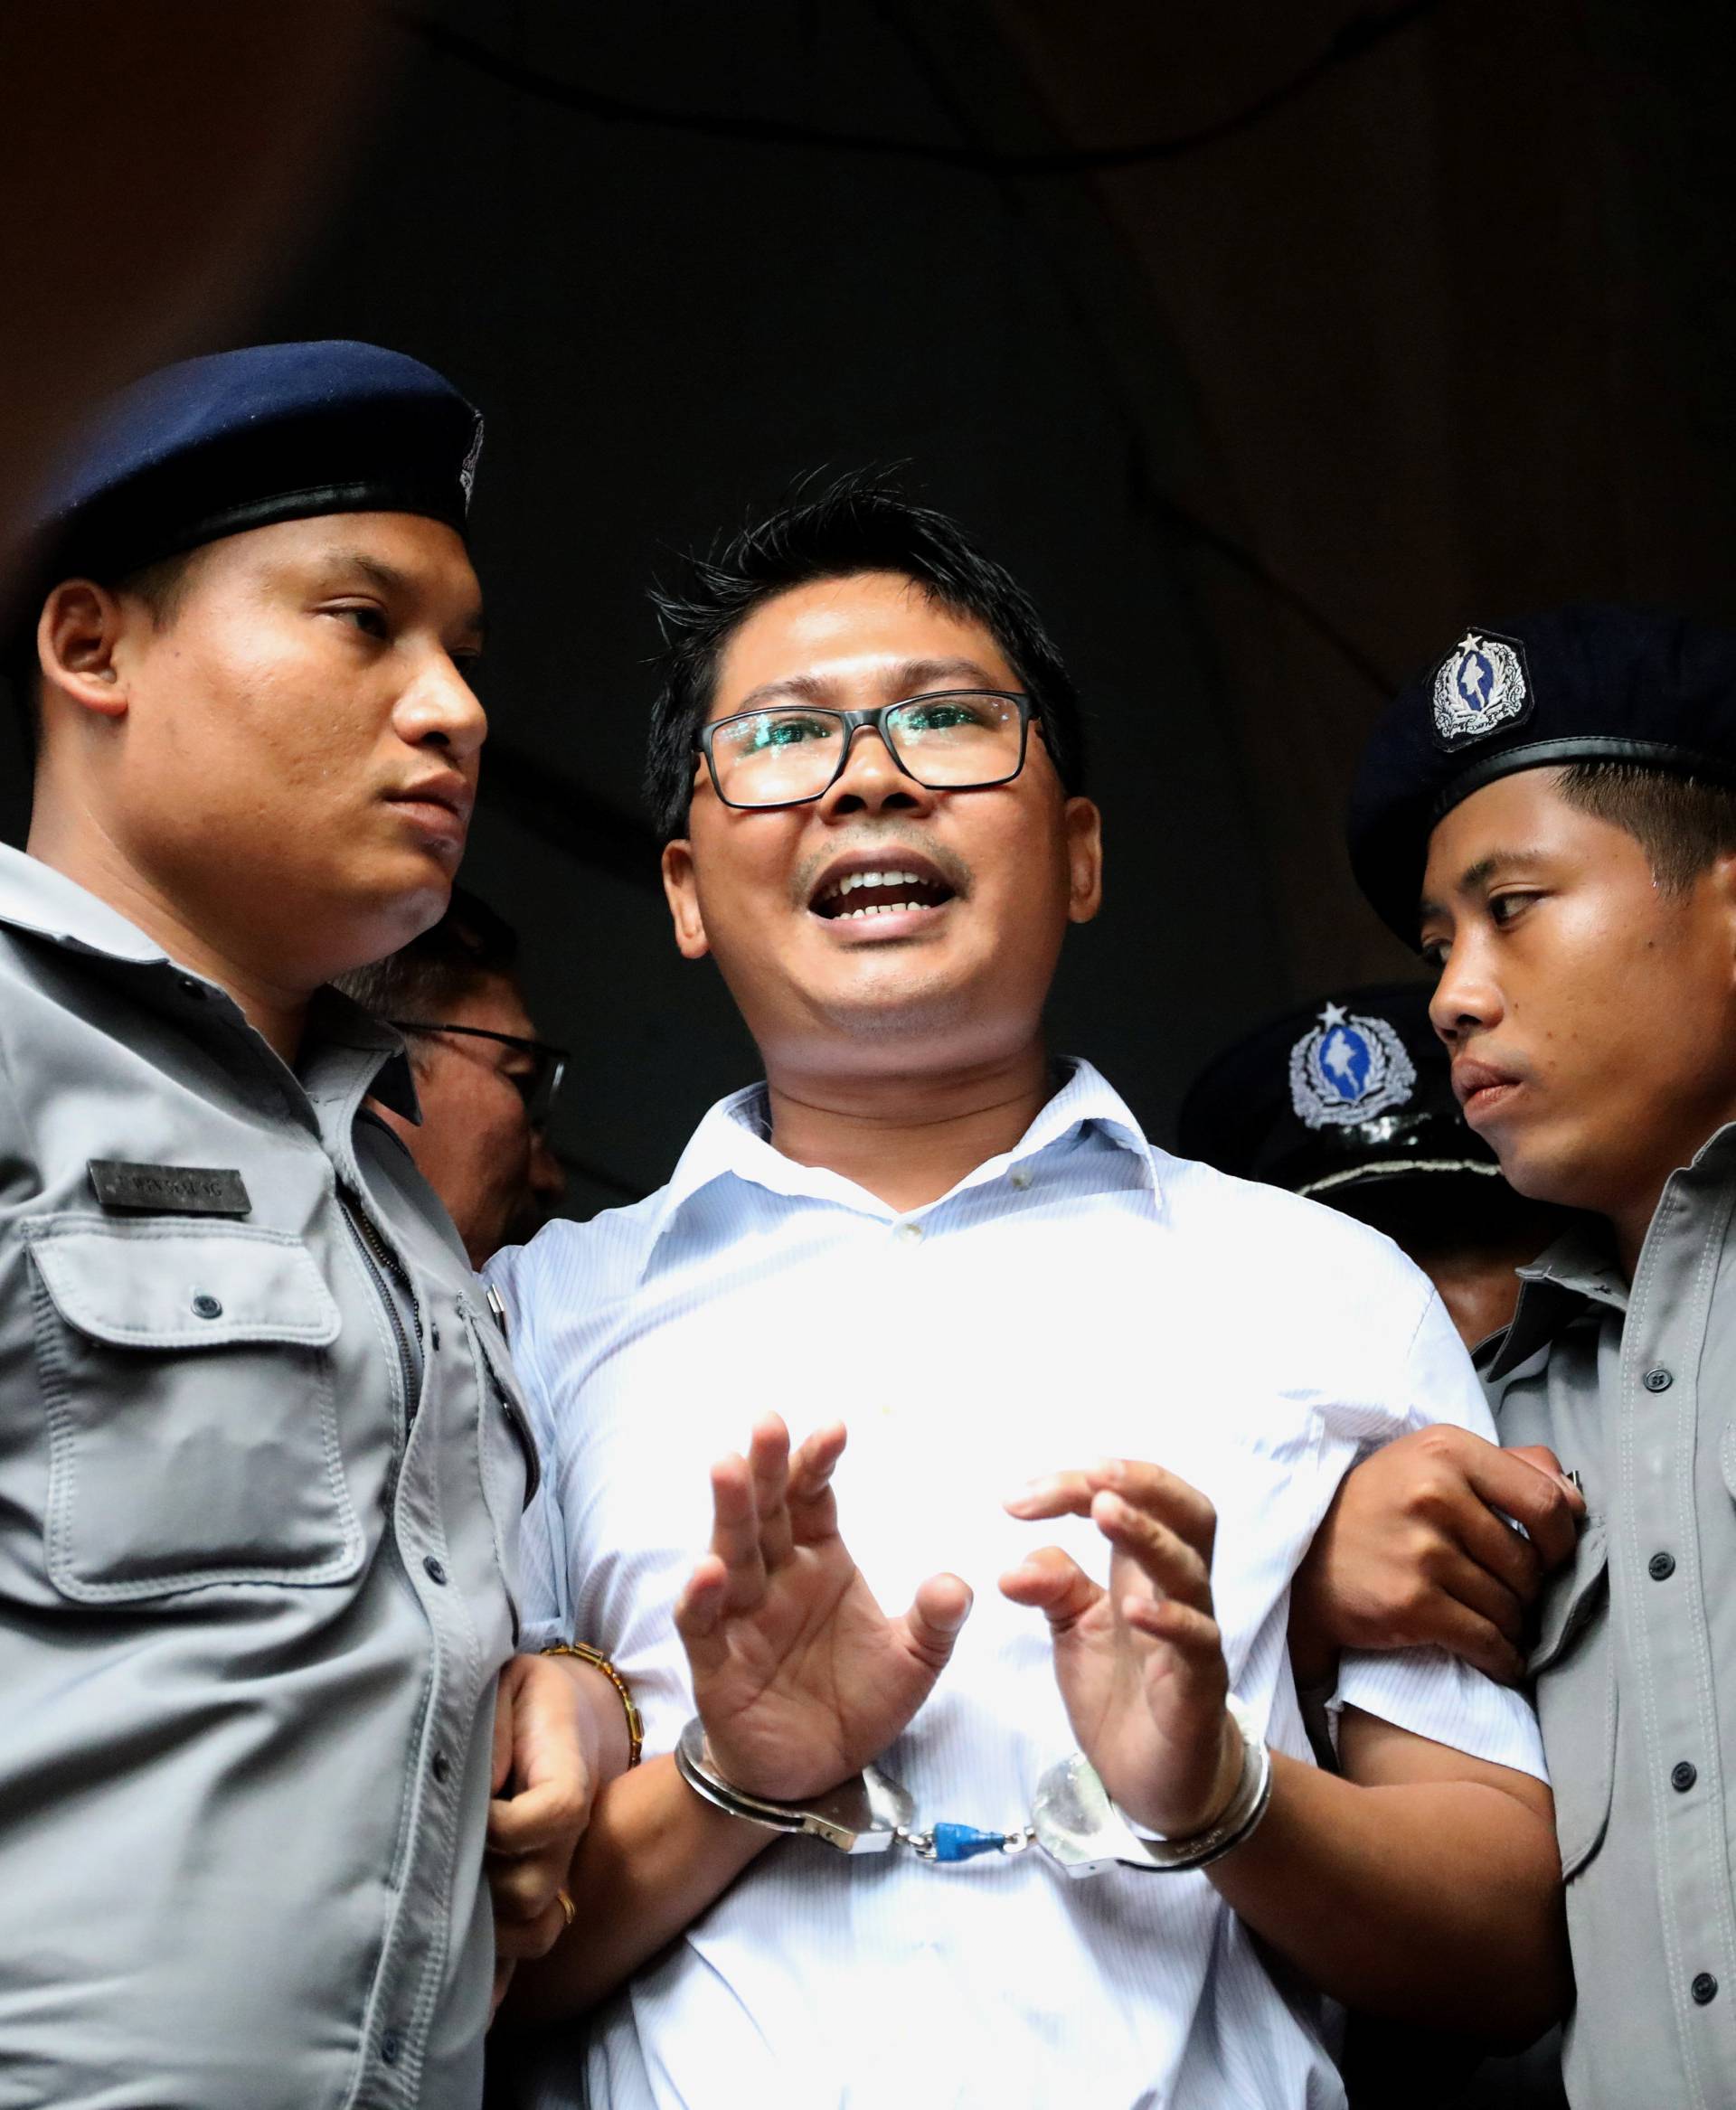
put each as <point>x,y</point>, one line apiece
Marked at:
<point>1550,814</point>
<point>261,1458</point>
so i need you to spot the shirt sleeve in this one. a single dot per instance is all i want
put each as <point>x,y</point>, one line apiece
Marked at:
<point>544,1598</point>
<point>1424,1690</point>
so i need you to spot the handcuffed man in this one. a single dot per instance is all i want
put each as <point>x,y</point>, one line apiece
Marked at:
<point>260,1459</point>
<point>1064,1360</point>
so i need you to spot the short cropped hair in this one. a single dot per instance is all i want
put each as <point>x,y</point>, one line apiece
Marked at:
<point>861,522</point>
<point>424,980</point>
<point>1681,822</point>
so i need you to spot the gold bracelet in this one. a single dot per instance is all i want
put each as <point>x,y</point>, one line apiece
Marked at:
<point>598,1661</point>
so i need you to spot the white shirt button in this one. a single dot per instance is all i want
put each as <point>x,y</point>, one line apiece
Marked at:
<point>1018,1177</point>
<point>910,1232</point>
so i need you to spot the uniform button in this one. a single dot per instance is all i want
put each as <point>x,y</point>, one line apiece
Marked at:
<point>1657,1380</point>
<point>1683,1776</point>
<point>1705,1989</point>
<point>1661,1567</point>
<point>389,2048</point>
<point>910,1232</point>
<point>436,1572</point>
<point>208,1306</point>
<point>443,1767</point>
<point>190,986</point>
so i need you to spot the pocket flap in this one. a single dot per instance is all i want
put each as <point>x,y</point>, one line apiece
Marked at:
<point>172,1285</point>
<point>1574,1596</point>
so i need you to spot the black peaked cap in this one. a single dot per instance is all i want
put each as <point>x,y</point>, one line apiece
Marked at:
<point>1336,1099</point>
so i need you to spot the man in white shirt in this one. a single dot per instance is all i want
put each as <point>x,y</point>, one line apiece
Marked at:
<point>867,761</point>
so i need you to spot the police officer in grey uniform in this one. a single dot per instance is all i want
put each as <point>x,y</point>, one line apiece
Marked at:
<point>1549,812</point>
<point>1349,1100</point>
<point>261,1457</point>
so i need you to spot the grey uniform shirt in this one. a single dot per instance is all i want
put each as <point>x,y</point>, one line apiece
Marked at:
<point>259,1505</point>
<point>1636,1662</point>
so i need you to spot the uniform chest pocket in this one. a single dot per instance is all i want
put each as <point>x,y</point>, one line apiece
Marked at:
<point>193,1440</point>
<point>1573,1668</point>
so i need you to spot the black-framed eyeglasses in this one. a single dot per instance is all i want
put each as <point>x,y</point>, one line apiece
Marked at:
<point>947,739</point>
<point>536,1086</point>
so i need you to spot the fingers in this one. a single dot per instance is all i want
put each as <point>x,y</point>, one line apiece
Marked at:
<point>1054,1583</point>
<point>1478,1642</point>
<point>500,1767</point>
<point>931,1626</point>
<point>1532,1494</point>
<point>769,1472</point>
<point>812,1505</point>
<point>1167,1562</point>
<point>1148,1487</point>
<point>550,1814</point>
<point>735,1532</point>
<point>503,1968</point>
<point>521,1940</point>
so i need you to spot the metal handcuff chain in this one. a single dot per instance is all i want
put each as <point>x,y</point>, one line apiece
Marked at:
<point>1072,1818</point>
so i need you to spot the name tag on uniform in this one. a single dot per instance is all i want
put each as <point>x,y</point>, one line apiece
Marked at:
<point>169,1190</point>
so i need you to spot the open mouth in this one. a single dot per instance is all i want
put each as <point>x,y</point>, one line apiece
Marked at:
<point>880,892</point>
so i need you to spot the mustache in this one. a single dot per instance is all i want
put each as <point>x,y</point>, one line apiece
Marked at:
<point>881,843</point>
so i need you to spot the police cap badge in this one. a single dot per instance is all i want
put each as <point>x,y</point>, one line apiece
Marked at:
<point>1585,683</point>
<point>1335,1100</point>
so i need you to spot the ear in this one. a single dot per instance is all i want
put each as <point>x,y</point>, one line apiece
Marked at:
<point>78,636</point>
<point>681,891</point>
<point>1084,826</point>
<point>1720,878</point>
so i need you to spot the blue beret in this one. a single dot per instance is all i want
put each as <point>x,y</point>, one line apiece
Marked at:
<point>242,440</point>
<point>1579,685</point>
<point>1348,1100</point>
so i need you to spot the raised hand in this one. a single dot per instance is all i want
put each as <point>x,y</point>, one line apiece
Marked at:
<point>1140,1665</point>
<point>798,1675</point>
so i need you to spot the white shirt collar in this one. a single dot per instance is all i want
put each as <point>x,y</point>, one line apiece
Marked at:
<point>733,1141</point>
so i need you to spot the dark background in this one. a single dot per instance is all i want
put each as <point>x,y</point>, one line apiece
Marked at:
<point>1270,345</point>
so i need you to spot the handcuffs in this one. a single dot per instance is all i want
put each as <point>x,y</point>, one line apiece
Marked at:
<point>1072,1818</point>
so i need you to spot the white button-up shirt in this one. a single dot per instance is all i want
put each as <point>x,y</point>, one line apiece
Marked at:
<point>1083,1294</point>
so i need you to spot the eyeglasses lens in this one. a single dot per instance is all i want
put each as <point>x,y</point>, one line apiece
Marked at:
<point>951,741</point>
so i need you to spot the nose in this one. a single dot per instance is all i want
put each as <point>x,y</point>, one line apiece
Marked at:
<point>1466,999</point>
<point>439,709</point>
<point>870,781</point>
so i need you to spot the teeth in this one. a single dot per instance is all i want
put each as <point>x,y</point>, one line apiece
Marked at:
<point>873,908</point>
<point>852,880</point>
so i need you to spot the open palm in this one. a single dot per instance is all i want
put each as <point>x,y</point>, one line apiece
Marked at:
<point>1140,1665</point>
<point>799,1677</point>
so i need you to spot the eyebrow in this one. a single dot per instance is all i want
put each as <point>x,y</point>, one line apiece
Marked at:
<point>389,578</point>
<point>910,677</point>
<point>1475,877</point>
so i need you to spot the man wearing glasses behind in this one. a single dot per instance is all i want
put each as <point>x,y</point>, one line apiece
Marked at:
<point>1064,1359</point>
<point>487,1085</point>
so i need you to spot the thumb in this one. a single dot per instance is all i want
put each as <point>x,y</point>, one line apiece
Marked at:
<point>1546,1462</point>
<point>1055,1584</point>
<point>932,1624</point>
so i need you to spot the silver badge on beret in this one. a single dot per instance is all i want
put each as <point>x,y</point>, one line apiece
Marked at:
<point>1478,686</point>
<point>1349,1068</point>
<point>468,473</point>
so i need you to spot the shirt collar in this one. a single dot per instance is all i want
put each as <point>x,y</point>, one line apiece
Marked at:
<point>36,897</point>
<point>1579,1269</point>
<point>734,1141</point>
